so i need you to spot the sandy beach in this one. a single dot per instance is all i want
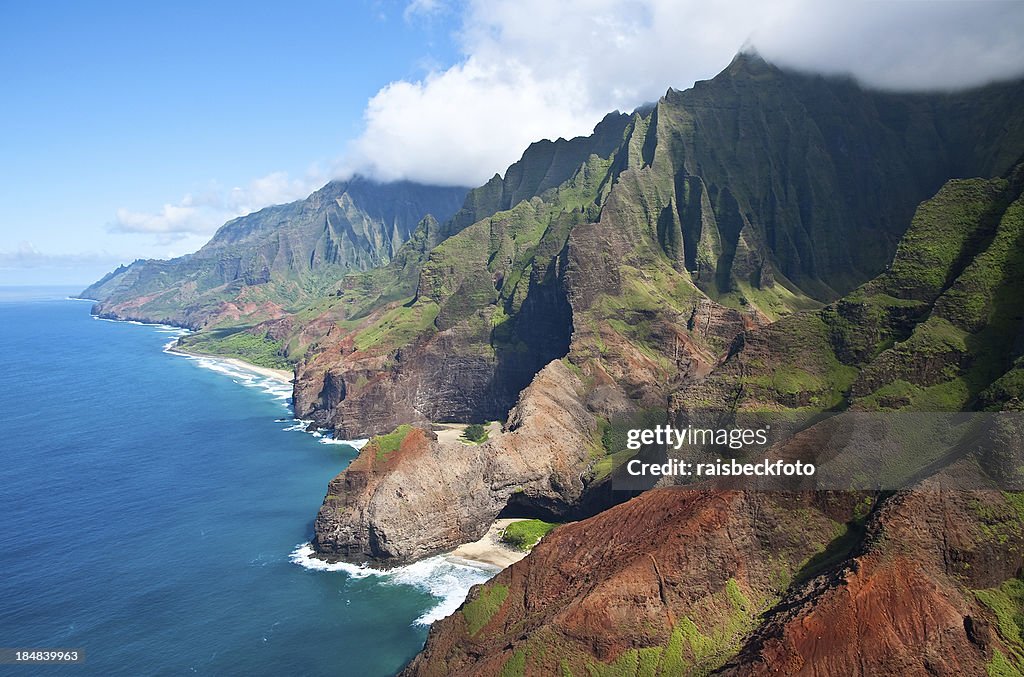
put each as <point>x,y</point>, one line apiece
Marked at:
<point>282,375</point>
<point>489,549</point>
<point>452,432</point>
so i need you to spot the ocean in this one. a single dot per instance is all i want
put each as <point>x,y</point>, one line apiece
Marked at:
<point>155,512</point>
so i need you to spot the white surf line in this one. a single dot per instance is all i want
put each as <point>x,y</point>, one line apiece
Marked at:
<point>447,580</point>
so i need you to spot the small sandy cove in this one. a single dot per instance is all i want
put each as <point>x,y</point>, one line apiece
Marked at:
<point>452,432</point>
<point>489,549</point>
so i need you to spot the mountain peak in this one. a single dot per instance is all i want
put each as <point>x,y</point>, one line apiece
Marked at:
<point>748,61</point>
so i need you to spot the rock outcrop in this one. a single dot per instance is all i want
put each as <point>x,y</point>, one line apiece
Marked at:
<point>905,602</point>
<point>427,496</point>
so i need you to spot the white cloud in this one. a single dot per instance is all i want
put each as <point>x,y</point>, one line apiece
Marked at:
<point>25,257</point>
<point>202,213</point>
<point>539,69</point>
<point>423,8</point>
<point>179,218</point>
<point>458,126</point>
<point>272,189</point>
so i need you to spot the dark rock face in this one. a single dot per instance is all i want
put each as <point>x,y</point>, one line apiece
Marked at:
<point>936,331</point>
<point>760,175</point>
<point>434,380</point>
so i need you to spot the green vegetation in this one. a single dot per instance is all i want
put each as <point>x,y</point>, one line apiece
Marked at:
<point>631,663</point>
<point>943,228</point>
<point>775,301</point>
<point>260,350</point>
<point>387,444</point>
<point>525,534</point>
<point>398,326</point>
<point>475,433</point>
<point>804,370</point>
<point>515,666</point>
<point>1016,501</point>
<point>1007,603</point>
<point>1000,666</point>
<point>609,449</point>
<point>479,612</point>
<point>281,257</point>
<point>692,651</point>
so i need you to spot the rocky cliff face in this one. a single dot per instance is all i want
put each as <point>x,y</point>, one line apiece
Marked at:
<point>907,601</point>
<point>688,582</point>
<point>645,259</point>
<point>923,581</point>
<point>259,265</point>
<point>940,330</point>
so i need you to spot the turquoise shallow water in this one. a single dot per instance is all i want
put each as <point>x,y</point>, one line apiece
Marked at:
<point>152,506</point>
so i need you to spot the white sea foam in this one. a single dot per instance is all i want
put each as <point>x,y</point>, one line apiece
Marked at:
<point>141,324</point>
<point>440,576</point>
<point>271,386</point>
<point>175,333</point>
<point>355,444</point>
<point>239,374</point>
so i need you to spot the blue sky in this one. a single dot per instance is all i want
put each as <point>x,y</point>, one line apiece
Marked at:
<point>112,106</point>
<point>135,129</point>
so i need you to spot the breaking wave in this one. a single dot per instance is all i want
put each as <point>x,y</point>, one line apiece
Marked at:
<point>440,576</point>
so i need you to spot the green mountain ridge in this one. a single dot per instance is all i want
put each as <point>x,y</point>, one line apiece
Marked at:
<point>734,203</point>
<point>275,259</point>
<point>939,330</point>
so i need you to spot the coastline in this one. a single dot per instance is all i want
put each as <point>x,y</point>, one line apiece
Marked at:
<point>282,375</point>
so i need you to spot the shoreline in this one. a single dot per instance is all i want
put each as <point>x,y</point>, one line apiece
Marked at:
<point>280,375</point>
<point>489,550</point>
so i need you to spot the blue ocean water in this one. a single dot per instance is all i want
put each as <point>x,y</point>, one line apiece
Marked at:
<point>153,509</point>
